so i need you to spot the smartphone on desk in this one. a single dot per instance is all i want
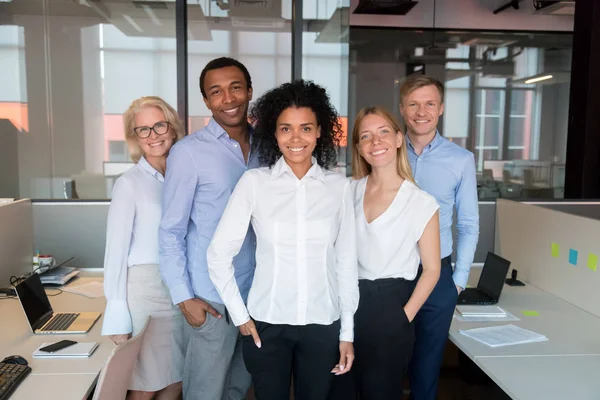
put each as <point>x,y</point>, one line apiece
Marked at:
<point>58,346</point>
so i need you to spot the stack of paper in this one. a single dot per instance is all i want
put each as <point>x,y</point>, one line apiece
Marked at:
<point>91,289</point>
<point>58,276</point>
<point>503,335</point>
<point>481,311</point>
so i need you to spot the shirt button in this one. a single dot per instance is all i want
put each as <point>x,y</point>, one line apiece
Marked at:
<point>235,145</point>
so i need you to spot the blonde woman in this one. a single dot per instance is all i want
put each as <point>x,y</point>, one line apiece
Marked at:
<point>132,283</point>
<point>397,229</point>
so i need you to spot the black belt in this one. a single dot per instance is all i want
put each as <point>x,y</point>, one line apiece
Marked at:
<point>447,261</point>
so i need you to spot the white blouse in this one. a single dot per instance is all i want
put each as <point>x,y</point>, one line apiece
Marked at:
<point>131,238</point>
<point>306,248</point>
<point>388,246</point>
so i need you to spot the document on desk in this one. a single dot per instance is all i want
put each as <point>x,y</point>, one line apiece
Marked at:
<point>93,289</point>
<point>485,318</point>
<point>503,335</point>
<point>79,350</point>
<point>481,311</point>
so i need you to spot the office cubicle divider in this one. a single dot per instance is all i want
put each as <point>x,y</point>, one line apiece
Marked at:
<point>72,229</point>
<point>16,240</point>
<point>555,251</point>
<point>78,228</point>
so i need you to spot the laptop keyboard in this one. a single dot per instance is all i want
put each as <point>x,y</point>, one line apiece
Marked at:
<point>61,322</point>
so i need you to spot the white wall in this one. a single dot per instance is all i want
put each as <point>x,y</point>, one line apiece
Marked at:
<point>466,14</point>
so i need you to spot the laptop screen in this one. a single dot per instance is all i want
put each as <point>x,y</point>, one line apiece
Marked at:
<point>493,274</point>
<point>33,299</point>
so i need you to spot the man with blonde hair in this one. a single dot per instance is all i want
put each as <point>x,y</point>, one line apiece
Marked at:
<point>446,171</point>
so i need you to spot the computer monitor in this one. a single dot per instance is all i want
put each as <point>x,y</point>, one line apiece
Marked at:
<point>493,274</point>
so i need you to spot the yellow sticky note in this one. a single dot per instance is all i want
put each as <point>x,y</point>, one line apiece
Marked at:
<point>592,261</point>
<point>530,313</point>
<point>555,250</point>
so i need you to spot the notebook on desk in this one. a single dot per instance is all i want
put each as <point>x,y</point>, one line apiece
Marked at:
<point>42,319</point>
<point>79,350</point>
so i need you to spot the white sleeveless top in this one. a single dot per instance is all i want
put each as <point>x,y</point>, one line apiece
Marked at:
<point>388,246</point>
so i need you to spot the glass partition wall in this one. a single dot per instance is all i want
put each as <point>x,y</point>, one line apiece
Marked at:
<point>70,69</point>
<point>506,97</point>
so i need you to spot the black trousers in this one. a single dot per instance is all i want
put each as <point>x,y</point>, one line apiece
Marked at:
<point>383,339</point>
<point>308,352</point>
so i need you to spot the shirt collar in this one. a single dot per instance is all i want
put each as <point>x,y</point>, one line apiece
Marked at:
<point>282,167</point>
<point>145,165</point>
<point>214,128</point>
<point>437,139</point>
<point>217,130</point>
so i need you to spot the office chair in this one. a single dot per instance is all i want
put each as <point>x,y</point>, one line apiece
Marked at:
<point>114,378</point>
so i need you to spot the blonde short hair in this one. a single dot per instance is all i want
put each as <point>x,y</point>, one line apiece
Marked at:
<point>136,106</point>
<point>417,81</point>
<point>360,167</point>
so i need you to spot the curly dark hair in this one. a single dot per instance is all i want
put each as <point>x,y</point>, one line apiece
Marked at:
<point>299,93</point>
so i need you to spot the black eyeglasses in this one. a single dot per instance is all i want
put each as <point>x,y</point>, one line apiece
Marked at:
<point>160,128</point>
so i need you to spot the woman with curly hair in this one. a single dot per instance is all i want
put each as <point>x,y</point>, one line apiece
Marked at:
<point>300,316</point>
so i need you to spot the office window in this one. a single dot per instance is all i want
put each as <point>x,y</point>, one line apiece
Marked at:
<point>516,128</point>
<point>258,34</point>
<point>325,57</point>
<point>69,70</point>
<point>488,125</point>
<point>117,151</point>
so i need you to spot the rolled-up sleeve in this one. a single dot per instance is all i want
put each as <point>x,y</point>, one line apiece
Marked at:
<point>178,198</point>
<point>467,222</point>
<point>226,244</point>
<point>346,264</point>
<point>119,228</point>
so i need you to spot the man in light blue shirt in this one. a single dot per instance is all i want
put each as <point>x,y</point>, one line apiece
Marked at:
<point>202,171</point>
<point>447,172</point>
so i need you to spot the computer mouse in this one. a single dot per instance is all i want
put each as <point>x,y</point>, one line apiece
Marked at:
<point>15,360</point>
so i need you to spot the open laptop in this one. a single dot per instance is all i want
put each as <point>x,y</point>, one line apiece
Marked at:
<point>41,317</point>
<point>490,283</point>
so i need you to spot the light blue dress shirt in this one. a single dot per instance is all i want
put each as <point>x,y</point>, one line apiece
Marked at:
<point>202,171</point>
<point>447,172</point>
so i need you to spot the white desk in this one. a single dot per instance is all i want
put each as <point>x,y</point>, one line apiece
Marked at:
<point>570,330</point>
<point>55,387</point>
<point>545,377</point>
<point>49,376</point>
<point>564,367</point>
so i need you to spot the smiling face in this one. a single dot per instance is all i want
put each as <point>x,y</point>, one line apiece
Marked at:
<point>155,145</point>
<point>421,110</point>
<point>296,131</point>
<point>378,142</point>
<point>227,96</point>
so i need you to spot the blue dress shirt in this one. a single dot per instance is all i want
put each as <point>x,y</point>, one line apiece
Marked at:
<point>447,172</point>
<point>202,171</point>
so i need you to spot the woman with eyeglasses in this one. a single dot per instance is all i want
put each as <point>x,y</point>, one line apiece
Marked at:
<point>132,283</point>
